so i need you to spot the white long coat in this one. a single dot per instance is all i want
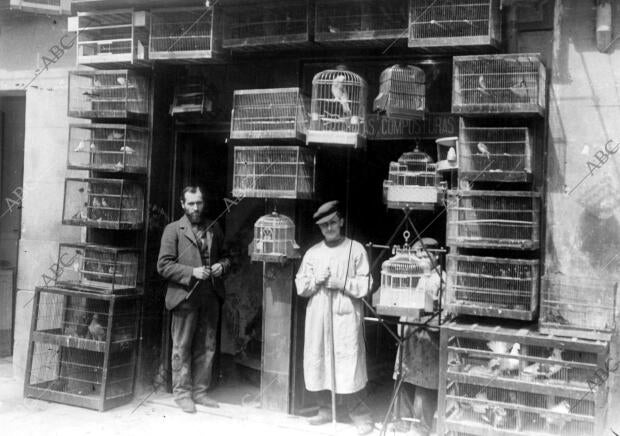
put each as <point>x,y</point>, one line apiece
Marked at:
<point>348,313</point>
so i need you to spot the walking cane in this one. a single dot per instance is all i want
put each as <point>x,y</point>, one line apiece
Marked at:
<point>333,359</point>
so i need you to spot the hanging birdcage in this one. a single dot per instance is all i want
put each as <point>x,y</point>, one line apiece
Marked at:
<point>412,182</point>
<point>402,92</point>
<point>447,153</point>
<point>274,239</point>
<point>338,109</point>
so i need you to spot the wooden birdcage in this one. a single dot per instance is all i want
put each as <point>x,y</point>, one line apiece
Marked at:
<point>499,84</point>
<point>454,24</point>
<point>258,26</point>
<point>516,381</point>
<point>48,7</point>
<point>494,219</point>
<point>277,113</point>
<point>361,23</point>
<point>108,94</point>
<point>83,348</point>
<point>97,268</point>
<point>108,147</point>
<point>447,153</point>
<point>578,306</point>
<point>412,182</point>
<point>494,287</point>
<point>274,239</point>
<point>104,203</point>
<point>111,38</point>
<point>273,172</point>
<point>402,92</point>
<point>338,109</point>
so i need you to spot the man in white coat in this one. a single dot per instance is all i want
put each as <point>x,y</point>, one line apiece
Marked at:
<point>334,274</point>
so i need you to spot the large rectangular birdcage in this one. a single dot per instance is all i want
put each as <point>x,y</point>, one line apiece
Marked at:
<point>494,219</point>
<point>258,26</point>
<point>48,7</point>
<point>276,113</point>
<point>361,23</point>
<point>499,84</point>
<point>578,306</point>
<point>454,24</point>
<point>108,147</point>
<point>499,154</point>
<point>515,381</point>
<point>494,287</point>
<point>108,94</point>
<point>273,172</point>
<point>402,92</point>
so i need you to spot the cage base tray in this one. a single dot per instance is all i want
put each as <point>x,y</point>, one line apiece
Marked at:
<point>568,331</point>
<point>44,391</point>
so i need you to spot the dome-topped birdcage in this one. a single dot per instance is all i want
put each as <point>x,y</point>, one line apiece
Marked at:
<point>274,239</point>
<point>402,92</point>
<point>338,109</point>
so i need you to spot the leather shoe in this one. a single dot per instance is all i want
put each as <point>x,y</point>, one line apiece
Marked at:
<point>206,401</point>
<point>186,405</point>
<point>319,419</point>
<point>364,428</point>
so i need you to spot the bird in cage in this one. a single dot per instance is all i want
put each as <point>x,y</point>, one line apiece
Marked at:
<point>483,149</point>
<point>127,149</point>
<point>115,134</point>
<point>451,155</point>
<point>555,422</point>
<point>90,94</point>
<point>482,86</point>
<point>520,88</point>
<point>95,329</point>
<point>82,146</point>
<point>340,94</point>
<point>481,407</point>
<point>504,364</point>
<point>121,80</point>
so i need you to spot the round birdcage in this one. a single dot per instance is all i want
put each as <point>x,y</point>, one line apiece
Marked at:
<point>274,239</point>
<point>402,92</point>
<point>403,270</point>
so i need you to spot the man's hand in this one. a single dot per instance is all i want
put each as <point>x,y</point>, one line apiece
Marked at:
<point>321,276</point>
<point>336,284</point>
<point>217,269</point>
<point>201,272</point>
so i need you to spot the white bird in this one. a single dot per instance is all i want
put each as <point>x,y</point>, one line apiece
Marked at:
<point>127,149</point>
<point>520,88</point>
<point>333,29</point>
<point>96,203</point>
<point>451,155</point>
<point>81,146</point>
<point>340,94</point>
<point>92,146</point>
<point>104,203</point>
<point>121,80</point>
<point>558,422</point>
<point>482,148</point>
<point>505,364</point>
<point>96,330</point>
<point>498,347</point>
<point>482,85</point>
<point>116,134</point>
<point>481,408</point>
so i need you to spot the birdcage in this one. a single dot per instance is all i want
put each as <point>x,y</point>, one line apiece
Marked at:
<point>190,99</point>
<point>402,92</point>
<point>516,381</point>
<point>494,219</point>
<point>499,154</point>
<point>112,94</point>
<point>103,203</point>
<point>274,239</point>
<point>499,84</point>
<point>111,38</point>
<point>97,268</point>
<point>412,182</point>
<point>108,147</point>
<point>489,286</point>
<point>338,109</point>
<point>454,24</point>
<point>447,153</point>
<point>361,23</point>
<point>277,113</point>
<point>49,7</point>
<point>266,25</point>
<point>83,348</point>
<point>181,34</point>
<point>578,306</point>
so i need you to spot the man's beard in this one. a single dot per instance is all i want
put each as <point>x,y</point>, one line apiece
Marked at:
<point>194,217</point>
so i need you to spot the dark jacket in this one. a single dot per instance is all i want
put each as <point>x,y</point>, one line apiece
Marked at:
<point>179,255</point>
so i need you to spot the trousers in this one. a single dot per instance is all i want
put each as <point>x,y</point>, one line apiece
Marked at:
<point>351,404</point>
<point>419,403</point>
<point>194,337</point>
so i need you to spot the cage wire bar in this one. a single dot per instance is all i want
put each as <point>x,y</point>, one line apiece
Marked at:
<point>402,92</point>
<point>274,239</point>
<point>412,182</point>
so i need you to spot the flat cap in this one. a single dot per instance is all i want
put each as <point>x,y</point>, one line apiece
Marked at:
<point>326,211</point>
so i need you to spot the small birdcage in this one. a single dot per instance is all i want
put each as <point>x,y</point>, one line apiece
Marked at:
<point>108,147</point>
<point>48,7</point>
<point>361,23</point>
<point>489,286</point>
<point>578,306</point>
<point>447,153</point>
<point>494,219</point>
<point>499,84</point>
<point>266,25</point>
<point>454,24</point>
<point>412,182</point>
<point>402,92</point>
<point>97,268</point>
<point>83,348</point>
<point>181,34</point>
<point>111,38</point>
<point>338,109</point>
<point>190,99</point>
<point>277,113</point>
<point>274,239</point>
<point>103,203</point>
<point>112,94</point>
<point>273,172</point>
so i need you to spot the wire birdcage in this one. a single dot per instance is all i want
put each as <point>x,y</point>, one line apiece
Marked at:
<point>181,33</point>
<point>338,109</point>
<point>274,239</point>
<point>494,219</point>
<point>273,172</point>
<point>113,94</point>
<point>361,23</point>
<point>103,203</point>
<point>454,24</point>
<point>48,7</point>
<point>447,153</point>
<point>412,182</point>
<point>190,98</point>
<point>578,306</point>
<point>496,84</point>
<point>83,348</point>
<point>277,113</point>
<point>495,287</point>
<point>108,147</point>
<point>402,92</point>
